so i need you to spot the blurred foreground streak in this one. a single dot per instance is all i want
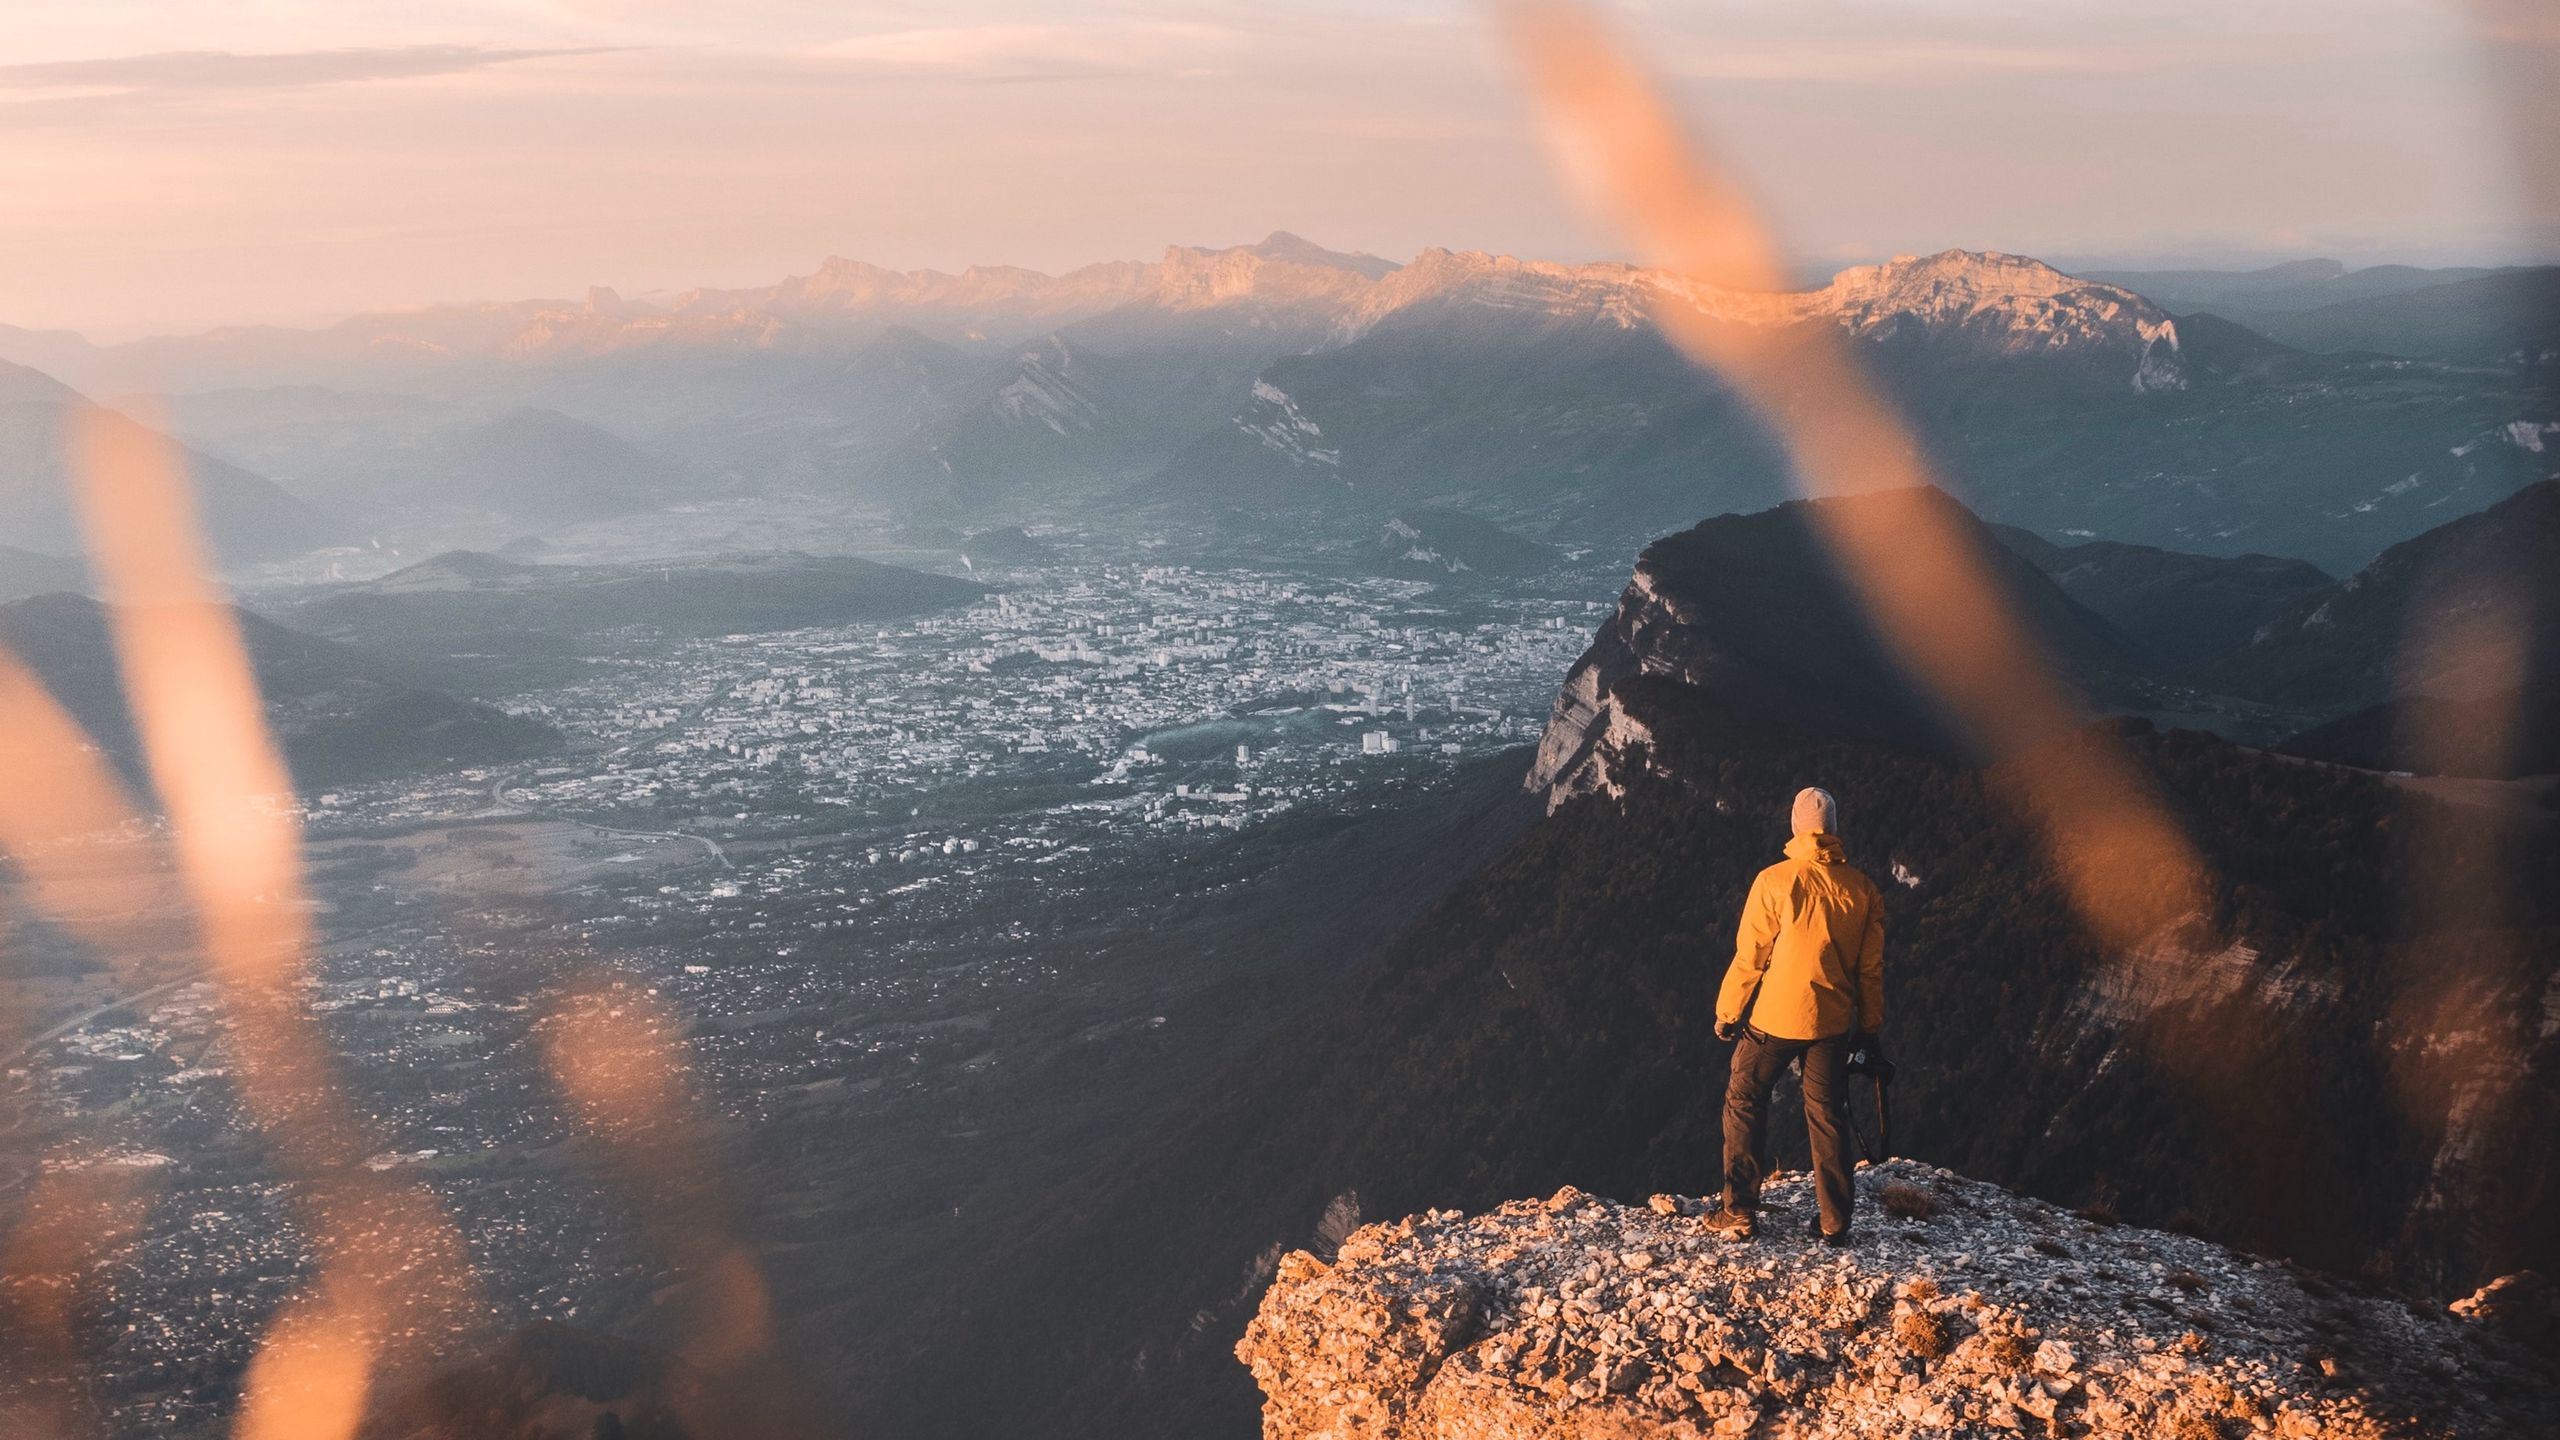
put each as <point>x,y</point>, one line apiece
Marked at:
<point>614,1050</point>
<point>391,1287</point>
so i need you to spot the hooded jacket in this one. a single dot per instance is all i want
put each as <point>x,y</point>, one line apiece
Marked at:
<point>1811,942</point>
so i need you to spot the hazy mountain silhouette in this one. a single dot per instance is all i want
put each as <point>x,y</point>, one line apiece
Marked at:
<point>2474,314</point>
<point>339,717</point>
<point>1281,380</point>
<point>476,622</point>
<point>1424,543</point>
<point>24,573</point>
<point>246,517</point>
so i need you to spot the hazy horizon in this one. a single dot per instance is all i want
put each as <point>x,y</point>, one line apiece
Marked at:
<point>1808,273</point>
<point>309,162</point>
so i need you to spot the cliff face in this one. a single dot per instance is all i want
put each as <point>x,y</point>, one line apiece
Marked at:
<point>1590,735</point>
<point>1749,613</point>
<point>1961,1309</point>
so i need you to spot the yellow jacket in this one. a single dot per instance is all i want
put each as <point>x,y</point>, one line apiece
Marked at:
<point>1812,942</point>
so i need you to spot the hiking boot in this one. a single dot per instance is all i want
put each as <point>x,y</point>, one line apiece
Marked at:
<point>1730,1223</point>
<point>1837,1238</point>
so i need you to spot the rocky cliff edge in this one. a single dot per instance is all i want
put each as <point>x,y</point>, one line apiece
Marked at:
<point>1960,1310</point>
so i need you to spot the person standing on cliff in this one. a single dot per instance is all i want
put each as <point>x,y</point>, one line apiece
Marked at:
<point>1808,973</point>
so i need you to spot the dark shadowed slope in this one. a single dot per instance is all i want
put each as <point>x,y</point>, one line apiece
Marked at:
<point>24,573</point>
<point>544,467</point>
<point>2339,646</point>
<point>1424,543</point>
<point>2510,734</point>
<point>2183,610</point>
<point>1549,1025</point>
<point>475,621</point>
<point>339,718</point>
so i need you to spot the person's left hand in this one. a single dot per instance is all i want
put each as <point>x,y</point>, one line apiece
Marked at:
<point>1728,1031</point>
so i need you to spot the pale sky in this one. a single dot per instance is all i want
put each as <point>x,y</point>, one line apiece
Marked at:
<point>184,163</point>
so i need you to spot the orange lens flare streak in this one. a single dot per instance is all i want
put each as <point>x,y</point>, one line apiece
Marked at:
<point>314,1370</point>
<point>388,1256</point>
<point>83,861</point>
<point>615,1053</point>
<point>2457,1028</point>
<point>1931,595</point>
<point>78,1211</point>
<point>82,854</point>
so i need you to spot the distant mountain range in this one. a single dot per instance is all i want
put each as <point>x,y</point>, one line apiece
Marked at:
<point>1284,379</point>
<point>2488,316</point>
<point>407,464</point>
<point>338,717</point>
<point>1545,397</point>
<point>984,305</point>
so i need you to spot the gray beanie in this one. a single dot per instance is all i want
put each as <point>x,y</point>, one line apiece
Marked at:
<point>1816,812</point>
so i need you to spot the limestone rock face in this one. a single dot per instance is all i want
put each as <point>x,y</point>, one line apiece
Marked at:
<point>1590,738</point>
<point>1960,1309</point>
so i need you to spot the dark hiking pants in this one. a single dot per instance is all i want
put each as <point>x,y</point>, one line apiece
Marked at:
<point>1758,1061</point>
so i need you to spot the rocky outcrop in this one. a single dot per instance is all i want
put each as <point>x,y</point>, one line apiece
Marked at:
<point>1961,1309</point>
<point>1590,737</point>
<point>1747,615</point>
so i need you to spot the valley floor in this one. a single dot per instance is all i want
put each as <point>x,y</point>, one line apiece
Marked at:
<point>922,969</point>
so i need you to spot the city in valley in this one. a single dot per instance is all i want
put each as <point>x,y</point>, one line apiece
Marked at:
<point>866,868</point>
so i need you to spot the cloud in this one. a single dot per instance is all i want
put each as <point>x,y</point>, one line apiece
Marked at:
<point>1927,60</point>
<point>1826,42</point>
<point>1032,50</point>
<point>184,71</point>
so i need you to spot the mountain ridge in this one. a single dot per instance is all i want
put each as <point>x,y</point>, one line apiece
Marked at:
<point>1749,611</point>
<point>1281,382</point>
<point>1281,269</point>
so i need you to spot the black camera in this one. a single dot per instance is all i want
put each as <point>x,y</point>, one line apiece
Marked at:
<point>1866,1057</point>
